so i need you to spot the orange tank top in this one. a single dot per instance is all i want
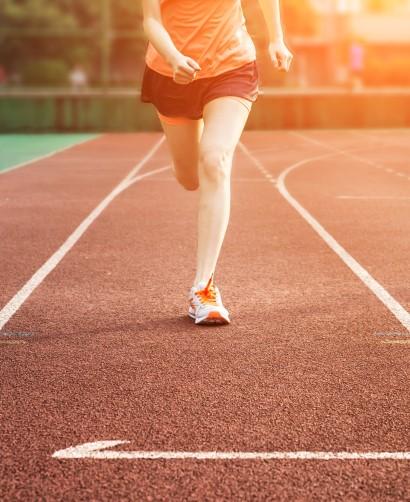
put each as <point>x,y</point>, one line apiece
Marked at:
<point>213,32</point>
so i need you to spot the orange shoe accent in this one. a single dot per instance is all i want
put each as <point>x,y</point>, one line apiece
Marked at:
<point>214,315</point>
<point>208,294</point>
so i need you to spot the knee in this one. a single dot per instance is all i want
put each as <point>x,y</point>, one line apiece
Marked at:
<point>215,164</point>
<point>189,185</point>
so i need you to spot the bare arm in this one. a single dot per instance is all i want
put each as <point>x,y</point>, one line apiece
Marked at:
<point>184,67</point>
<point>280,55</point>
<point>271,13</point>
<point>155,31</point>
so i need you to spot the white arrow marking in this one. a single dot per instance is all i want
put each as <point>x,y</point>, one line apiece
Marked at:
<point>98,450</point>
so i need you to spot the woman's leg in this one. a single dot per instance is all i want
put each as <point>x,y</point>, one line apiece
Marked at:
<point>224,120</point>
<point>183,141</point>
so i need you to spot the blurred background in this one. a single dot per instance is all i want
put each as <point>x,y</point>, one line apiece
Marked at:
<point>75,65</point>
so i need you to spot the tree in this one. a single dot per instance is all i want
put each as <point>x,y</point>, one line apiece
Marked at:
<point>38,30</point>
<point>103,35</point>
<point>69,31</point>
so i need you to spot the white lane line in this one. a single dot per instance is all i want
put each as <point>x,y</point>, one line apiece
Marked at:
<point>381,293</point>
<point>47,155</point>
<point>371,197</point>
<point>145,175</point>
<point>346,153</point>
<point>97,450</point>
<point>386,141</point>
<point>21,296</point>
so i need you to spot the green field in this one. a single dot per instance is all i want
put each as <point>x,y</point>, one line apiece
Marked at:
<point>17,149</point>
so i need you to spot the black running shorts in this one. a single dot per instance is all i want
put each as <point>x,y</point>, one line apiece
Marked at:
<point>188,100</point>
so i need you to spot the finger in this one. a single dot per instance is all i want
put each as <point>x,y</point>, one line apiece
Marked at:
<point>185,71</point>
<point>179,80</point>
<point>286,62</point>
<point>275,61</point>
<point>281,63</point>
<point>186,76</point>
<point>182,79</point>
<point>193,64</point>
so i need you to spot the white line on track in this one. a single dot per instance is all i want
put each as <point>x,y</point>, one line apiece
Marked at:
<point>348,154</point>
<point>47,155</point>
<point>145,175</point>
<point>379,291</point>
<point>386,141</point>
<point>97,450</point>
<point>21,296</point>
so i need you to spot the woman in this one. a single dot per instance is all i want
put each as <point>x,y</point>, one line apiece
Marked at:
<point>202,78</point>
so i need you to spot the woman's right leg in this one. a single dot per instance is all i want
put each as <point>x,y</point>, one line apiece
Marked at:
<point>183,138</point>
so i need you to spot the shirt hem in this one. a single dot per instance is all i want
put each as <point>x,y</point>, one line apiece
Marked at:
<point>235,67</point>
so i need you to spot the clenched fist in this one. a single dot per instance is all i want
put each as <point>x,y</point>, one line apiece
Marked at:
<point>280,55</point>
<point>184,69</point>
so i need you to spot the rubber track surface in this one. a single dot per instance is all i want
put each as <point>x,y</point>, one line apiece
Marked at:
<point>113,355</point>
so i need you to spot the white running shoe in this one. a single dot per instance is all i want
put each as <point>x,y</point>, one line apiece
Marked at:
<point>205,304</point>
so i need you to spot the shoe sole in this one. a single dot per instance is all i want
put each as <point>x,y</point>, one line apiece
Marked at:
<point>213,318</point>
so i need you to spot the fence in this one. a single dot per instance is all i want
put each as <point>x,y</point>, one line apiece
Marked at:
<point>116,110</point>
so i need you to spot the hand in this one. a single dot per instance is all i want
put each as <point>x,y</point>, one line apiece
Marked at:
<point>184,69</point>
<point>280,55</point>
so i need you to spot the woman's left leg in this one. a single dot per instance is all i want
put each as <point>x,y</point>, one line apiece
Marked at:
<point>224,120</point>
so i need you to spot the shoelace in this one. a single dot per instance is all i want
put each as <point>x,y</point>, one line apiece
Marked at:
<point>208,294</point>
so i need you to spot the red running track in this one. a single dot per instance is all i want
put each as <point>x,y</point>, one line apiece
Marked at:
<point>313,360</point>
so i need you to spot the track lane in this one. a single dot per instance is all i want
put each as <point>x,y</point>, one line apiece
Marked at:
<point>386,155</point>
<point>378,238</point>
<point>40,207</point>
<point>41,274</point>
<point>114,356</point>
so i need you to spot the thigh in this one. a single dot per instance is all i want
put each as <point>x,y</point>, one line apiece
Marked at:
<point>224,120</point>
<point>183,140</point>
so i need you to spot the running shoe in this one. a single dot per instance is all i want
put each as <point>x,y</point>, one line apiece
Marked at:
<point>205,304</point>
